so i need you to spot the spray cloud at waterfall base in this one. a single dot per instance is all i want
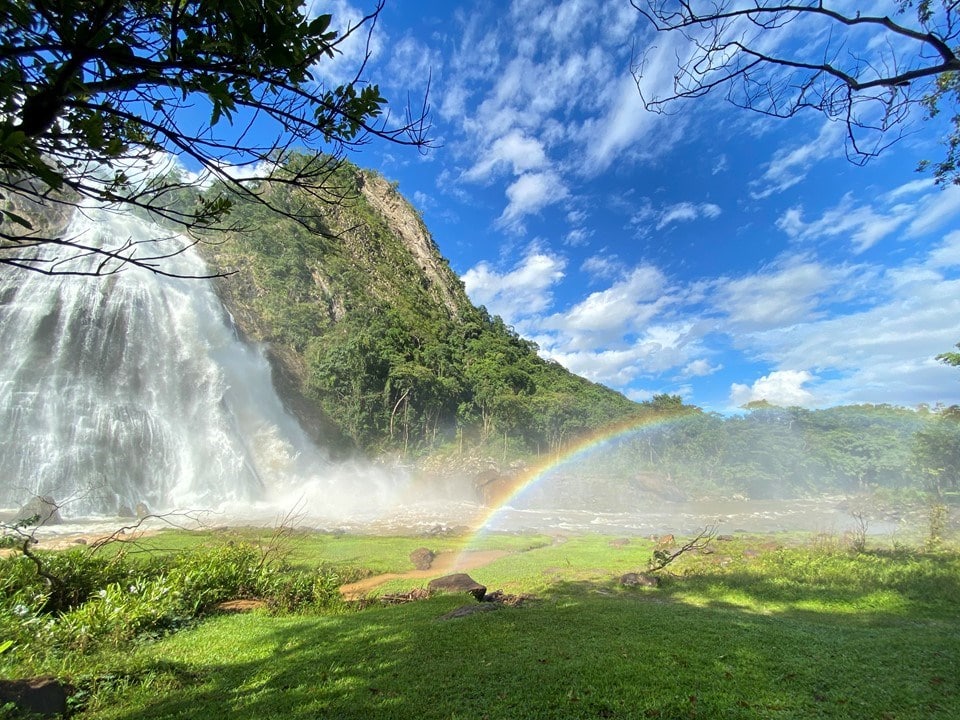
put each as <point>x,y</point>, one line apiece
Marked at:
<point>136,388</point>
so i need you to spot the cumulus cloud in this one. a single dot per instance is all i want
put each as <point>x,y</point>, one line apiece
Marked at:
<point>515,151</point>
<point>519,292</point>
<point>699,368</point>
<point>782,387</point>
<point>529,194</point>
<point>605,316</point>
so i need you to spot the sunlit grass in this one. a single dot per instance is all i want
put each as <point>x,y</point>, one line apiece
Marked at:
<point>762,627</point>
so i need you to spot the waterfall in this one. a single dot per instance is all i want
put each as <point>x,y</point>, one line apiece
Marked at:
<point>136,388</point>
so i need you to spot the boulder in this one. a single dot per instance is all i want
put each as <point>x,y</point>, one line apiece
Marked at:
<point>639,580</point>
<point>44,506</point>
<point>619,542</point>
<point>40,696</point>
<point>458,582</point>
<point>422,558</point>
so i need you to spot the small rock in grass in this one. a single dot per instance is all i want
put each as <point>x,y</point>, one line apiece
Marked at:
<point>458,582</point>
<point>639,580</point>
<point>422,558</point>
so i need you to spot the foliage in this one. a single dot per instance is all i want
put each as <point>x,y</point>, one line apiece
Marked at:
<point>950,358</point>
<point>867,71</point>
<point>103,600</point>
<point>93,92</point>
<point>397,358</point>
<point>792,452</point>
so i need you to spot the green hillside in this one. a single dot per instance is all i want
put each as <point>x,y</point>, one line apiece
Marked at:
<point>374,341</point>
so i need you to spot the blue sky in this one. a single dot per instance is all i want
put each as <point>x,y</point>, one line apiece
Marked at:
<point>712,253</point>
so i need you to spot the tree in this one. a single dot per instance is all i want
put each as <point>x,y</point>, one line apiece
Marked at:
<point>869,72</point>
<point>950,358</point>
<point>94,92</point>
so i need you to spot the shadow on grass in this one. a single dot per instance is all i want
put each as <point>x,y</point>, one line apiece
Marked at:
<point>583,651</point>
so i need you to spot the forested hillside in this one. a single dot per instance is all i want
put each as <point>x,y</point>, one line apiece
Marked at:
<point>366,321</point>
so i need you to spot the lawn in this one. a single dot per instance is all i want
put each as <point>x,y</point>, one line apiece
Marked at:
<point>759,628</point>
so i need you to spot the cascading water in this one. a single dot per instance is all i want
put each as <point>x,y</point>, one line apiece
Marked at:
<point>136,389</point>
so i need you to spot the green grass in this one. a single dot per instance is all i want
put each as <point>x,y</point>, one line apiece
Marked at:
<point>791,631</point>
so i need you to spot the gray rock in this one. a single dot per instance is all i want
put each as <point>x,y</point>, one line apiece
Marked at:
<point>44,506</point>
<point>458,582</point>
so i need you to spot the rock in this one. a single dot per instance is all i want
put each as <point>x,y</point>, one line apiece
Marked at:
<point>619,542</point>
<point>44,506</point>
<point>724,538</point>
<point>458,582</point>
<point>43,695</point>
<point>422,558</point>
<point>141,510</point>
<point>639,580</point>
<point>125,511</point>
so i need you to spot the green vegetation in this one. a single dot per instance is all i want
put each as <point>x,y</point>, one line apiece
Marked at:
<point>376,330</point>
<point>770,451</point>
<point>761,627</point>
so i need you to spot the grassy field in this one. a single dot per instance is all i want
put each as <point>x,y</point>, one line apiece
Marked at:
<point>762,627</point>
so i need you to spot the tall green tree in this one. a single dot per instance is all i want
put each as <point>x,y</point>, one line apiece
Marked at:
<point>93,91</point>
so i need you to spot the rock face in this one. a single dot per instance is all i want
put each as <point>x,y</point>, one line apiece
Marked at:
<point>422,558</point>
<point>41,696</point>
<point>457,583</point>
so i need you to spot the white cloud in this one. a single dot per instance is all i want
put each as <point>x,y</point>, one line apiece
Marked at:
<point>519,292</point>
<point>529,194</point>
<point>685,212</point>
<point>947,253</point>
<point>357,42</point>
<point>648,216</point>
<point>936,209</point>
<point>790,166</point>
<point>606,316</point>
<point>778,296</point>
<point>863,226</point>
<point>782,387</point>
<point>602,266</point>
<point>515,151</point>
<point>699,368</point>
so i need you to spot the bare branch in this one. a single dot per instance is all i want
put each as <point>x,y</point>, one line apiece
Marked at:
<point>779,59</point>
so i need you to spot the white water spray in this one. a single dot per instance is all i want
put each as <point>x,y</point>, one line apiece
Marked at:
<point>137,389</point>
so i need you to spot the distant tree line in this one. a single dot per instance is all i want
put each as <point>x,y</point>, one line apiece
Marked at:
<point>770,451</point>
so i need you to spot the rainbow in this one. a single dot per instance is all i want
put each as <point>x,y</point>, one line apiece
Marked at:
<point>577,452</point>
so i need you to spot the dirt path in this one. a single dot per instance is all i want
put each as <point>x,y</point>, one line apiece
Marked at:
<point>443,564</point>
